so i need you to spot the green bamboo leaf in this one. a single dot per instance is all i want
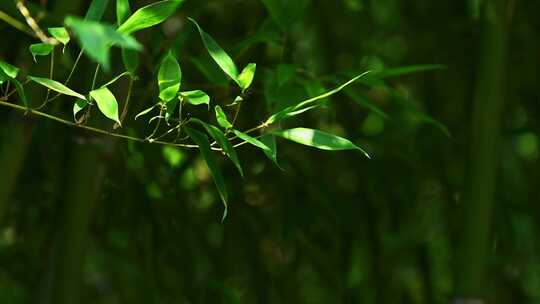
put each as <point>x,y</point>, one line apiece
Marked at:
<point>223,142</point>
<point>270,141</point>
<point>217,53</point>
<point>170,108</point>
<point>106,103</point>
<point>123,11</point>
<point>318,139</point>
<point>204,146</point>
<point>169,77</point>
<point>395,72</point>
<point>96,10</point>
<point>60,34</point>
<point>20,91</point>
<point>115,79</point>
<point>96,39</point>
<point>78,106</point>
<point>308,104</point>
<point>144,112</point>
<point>222,118</point>
<point>252,140</point>
<point>149,15</point>
<point>196,97</point>
<point>246,77</point>
<point>40,49</point>
<point>9,70</point>
<point>56,86</point>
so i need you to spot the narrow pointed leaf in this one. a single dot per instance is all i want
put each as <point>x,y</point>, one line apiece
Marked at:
<point>20,91</point>
<point>78,106</point>
<point>246,77</point>
<point>308,102</point>
<point>270,141</point>
<point>223,142</point>
<point>41,49</point>
<point>196,97</point>
<point>204,146</point>
<point>169,78</point>
<point>222,118</point>
<point>123,11</point>
<point>96,10</point>
<point>217,53</point>
<point>252,140</point>
<point>318,139</point>
<point>56,86</point>
<point>10,70</point>
<point>395,72</point>
<point>60,34</point>
<point>106,103</point>
<point>149,15</point>
<point>144,112</point>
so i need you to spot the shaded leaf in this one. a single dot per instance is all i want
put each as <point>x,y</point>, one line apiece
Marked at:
<point>222,118</point>
<point>123,11</point>
<point>286,12</point>
<point>10,70</point>
<point>204,146</point>
<point>217,53</point>
<point>270,141</point>
<point>318,139</point>
<point>56,86</point>
<point>106,103</point>
<point>40,49</point>
<point>169,77</point>
<point>149,15</point>
<point>223,142</point>
<point>196,97</point>
<point>96,10</point>
<point>20,91</point>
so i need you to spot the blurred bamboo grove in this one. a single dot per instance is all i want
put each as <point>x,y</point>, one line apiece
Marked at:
<point>443,212</point>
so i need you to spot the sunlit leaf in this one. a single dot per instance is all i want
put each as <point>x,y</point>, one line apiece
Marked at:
<point>318,139</point>
<point>252,140</point>
<point>196,97</point>
<point>106,103</point>
<point>130,58</point>
<point>246,77</point>
<point>204,146</point>
<point>298,108</point>
<point>10,70</point>
<point>145,111</point>
<point>217,53</point>
<point>149,15</point>
<point>222,118</point>
<point>60,34</point>
<point>96,39</point>
<point>96,10</point>
<point>223,142</point>
<point>56,86</point>
<point>169,77</point>
<point>78,106</point>
<point>41,49</point>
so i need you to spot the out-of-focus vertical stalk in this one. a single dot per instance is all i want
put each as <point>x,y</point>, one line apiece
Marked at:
<point>483,158</point>
<point>85,175</point>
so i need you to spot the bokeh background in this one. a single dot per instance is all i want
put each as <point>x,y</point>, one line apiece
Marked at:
<point>446,209</point>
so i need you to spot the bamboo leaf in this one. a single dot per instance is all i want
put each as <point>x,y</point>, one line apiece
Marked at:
<point>217,53</point>
<point>78,106</point>
<point>56,86</point>
<point>96,39</point>
<point>144,112</point>
<point>106,103</point>
<point>253,141</point>
<point>318,139</point>
<point>169,78</point>
<point>308,103</point>
<point>222,118</point>
<point>123,11</point>
<point>20,91</point>
<point>10,70</point>
<point>60,34</point>
<point>196,97</point>
<point>40,49</point>
<point>270,141</point>
<point>246,77</point>
<point>96,10</point>
<point>223,142</point>
<point>149,15</point>
<point>204,146</point>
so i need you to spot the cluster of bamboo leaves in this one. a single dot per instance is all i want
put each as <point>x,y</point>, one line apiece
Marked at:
<point>96,39</point>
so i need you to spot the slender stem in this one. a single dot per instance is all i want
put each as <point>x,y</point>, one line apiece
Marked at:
<point>33,24</point>
<point>70,74</point>
<point>95,77</point>
<point>51,74</point>
<point>126,103</point>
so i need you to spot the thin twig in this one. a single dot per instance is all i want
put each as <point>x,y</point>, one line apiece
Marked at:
<point>33,24</point>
